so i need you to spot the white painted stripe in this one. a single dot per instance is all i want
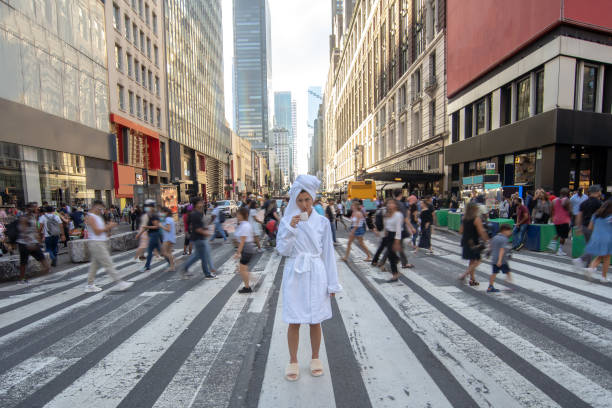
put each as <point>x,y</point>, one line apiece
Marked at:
<point>307,391</point>
<point>573,381</point>
<point>112,378</point>
<point>392,374</point>
<point>487,379</point>
<point>185,386</point>
<point>20,313</point>
<point>261,296</point>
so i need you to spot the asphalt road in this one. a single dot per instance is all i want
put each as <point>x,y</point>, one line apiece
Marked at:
<point>426,341</point>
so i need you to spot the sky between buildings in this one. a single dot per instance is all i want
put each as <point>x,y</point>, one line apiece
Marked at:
<point>300,56</point>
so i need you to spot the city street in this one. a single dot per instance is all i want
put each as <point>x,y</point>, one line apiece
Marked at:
<point>426,341</point>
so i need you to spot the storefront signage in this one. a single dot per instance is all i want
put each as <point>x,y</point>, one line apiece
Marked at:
<point>539,154</point>
<point>492,186</point>
<point>139,179</point>
<point>477,180</point>
<point>468,180</point>
<point>490,168</point>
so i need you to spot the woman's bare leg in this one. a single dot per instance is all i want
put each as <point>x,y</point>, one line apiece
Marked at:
<point>244,274</point>
<point>365,249</point>
<point>293,339</point>
<point>315,339</point>
<point>605,264</point>
<point>348,247</point>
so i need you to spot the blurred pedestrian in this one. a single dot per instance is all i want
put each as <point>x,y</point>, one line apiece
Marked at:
<point>472,231</point>
<point>246,247</point>
<point>600,244</point>
<point>29,240</point>
<point>357,232</point>
<point>168,230</point>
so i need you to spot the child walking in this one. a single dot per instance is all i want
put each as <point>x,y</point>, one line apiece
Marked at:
<point>168,237</point>
<point>500,254</point>
<point>600,244</point>
<point>310,277</point>
<point>246,247</point>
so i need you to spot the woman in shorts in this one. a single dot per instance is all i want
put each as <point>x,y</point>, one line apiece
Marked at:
<point>246,247</point>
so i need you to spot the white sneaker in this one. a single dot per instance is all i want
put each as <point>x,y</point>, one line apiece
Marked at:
<point>588,272</point>
<point>122,286</point>
<point>604,280</point>
<point>578,265</point>
<point>560,252</point>
<point>553,246</point>
<point>92,289</point>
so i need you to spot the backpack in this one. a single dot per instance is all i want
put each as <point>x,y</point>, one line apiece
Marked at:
<point>53,227</point>
<point>12,231</point>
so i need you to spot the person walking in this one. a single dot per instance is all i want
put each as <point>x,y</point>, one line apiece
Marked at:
<point>583,220</point>
<point>330,213</point>
<point>310,276</point>
<point>600,244</point>
<point>97,237</point>
<point>504,208</point>
<point>577,199</point>
<point>357,232</point>
<point>340,215</point>
<point>542,209</point>
<point>143,233</point>
<point>198,237</point>
<point>28,241</point>
<point>561,210</point>
<point>187,245</point>
<point>472,231</point>
<point>218,218</point>
<point>500,254</point>
<point>392,241</point>
<point>153,228</point>
<point>522,222</point>
<point>168,230</point>
<point>51,227</point>
<point>246,247</point>
<point>427,220</point>
<point>255,223</point>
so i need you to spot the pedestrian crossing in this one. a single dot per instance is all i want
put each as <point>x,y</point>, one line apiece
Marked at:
<point>425,341</point>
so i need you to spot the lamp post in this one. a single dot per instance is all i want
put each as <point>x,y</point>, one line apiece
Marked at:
<point>230,164</point>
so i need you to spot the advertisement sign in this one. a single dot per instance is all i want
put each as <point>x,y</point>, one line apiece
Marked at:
<point>169,198</point>
<point>490,168</point>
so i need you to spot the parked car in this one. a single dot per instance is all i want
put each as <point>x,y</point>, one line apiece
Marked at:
<point>228,207</point>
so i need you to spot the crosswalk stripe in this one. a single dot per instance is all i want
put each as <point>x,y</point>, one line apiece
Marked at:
<point>440,374</point>
<point>111,379</point>
<point>390,369</point>
<point>185,387</point>
<point>308,391</point>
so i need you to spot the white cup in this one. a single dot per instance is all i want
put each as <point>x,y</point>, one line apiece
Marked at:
<point>304,216</point>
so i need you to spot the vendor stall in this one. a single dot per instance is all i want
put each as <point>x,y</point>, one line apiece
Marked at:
<point>442,217</point>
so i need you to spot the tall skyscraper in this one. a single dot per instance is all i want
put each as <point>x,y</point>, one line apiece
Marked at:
<point>252,71</point>
<point>314,100</point>
<point>295,139</point>
<point>283,119</point>
<point>200,141</point>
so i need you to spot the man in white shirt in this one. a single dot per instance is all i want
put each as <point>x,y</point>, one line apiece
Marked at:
<point>51,226</point>
<point>577,199</point>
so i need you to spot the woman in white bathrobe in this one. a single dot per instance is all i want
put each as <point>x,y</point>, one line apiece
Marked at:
<point>310,277</point>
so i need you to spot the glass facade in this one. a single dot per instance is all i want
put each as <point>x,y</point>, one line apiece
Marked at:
<point>53,58</point>
<point>252,70</point>
<point>194,57</point>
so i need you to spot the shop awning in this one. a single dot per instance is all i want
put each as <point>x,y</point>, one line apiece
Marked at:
<point>389,186</point>
<point>404,176</point>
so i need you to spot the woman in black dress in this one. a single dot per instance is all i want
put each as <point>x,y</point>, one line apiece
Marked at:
<point>472,231</point>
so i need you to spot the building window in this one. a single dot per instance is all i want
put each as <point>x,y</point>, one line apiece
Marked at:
<point>416,84</point>
<point>468,122</point>
<point>128,26</point>
<point>118,58</point>
<point>506,105</point>
<point>539,76</point>
<point>158,118</point>
<point>481,123</point>
<point>157,86</point>
<point>145,109</point>
<point>432,67</point>
<point>162,150</point>
<point>432,118</point>
<point>142,42</point>
<point>130,65</point>
<point>140,8</point>
<point>589,87</point>
<point>455,172</point>
<point>403,96</point>
<point>148,47</point>
<point>147,14</point>
<point>135,35</point>
<point>136,70</point>
<point>116,17</point>
<point>455,127</point>
<point>133,5</point>
<point>151,118</point>
<point>418,31</point>
<point>143,75</point>
<point>416,127</point>
<point>523,100</point>
<point>150,81</point>
<point>121,97</point>
<point>156,55</point>
<point>202,162</point>
<point>138,107</point>
<point>131,101</point>
<point>154,23</point>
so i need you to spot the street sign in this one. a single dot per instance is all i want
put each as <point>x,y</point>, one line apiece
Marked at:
<point>490,169</point>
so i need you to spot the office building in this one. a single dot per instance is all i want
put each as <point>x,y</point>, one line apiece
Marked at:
<point>200,141</point>
<point>284,116</point>
<point>282,153</point>
<point>385,105</point>
<point>314,100</point>
<point>137,78</point>
<point>252,71</point>
<point>55,144</point>
<point>531,98</point>
<point>294,171</point>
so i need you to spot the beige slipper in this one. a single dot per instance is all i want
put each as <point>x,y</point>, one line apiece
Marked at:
<point>316,367</point>
<point>292,372</point>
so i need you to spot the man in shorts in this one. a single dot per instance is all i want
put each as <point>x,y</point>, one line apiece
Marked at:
<point>500,254</point>
<point>28,241</point>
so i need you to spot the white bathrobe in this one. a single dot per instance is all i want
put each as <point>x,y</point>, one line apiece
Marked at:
<point>310,273</point>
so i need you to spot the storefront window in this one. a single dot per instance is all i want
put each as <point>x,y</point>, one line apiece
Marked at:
<point>480,117</point>
<point>523,99</point>
<point>589,88</point>
<point>525,168</point>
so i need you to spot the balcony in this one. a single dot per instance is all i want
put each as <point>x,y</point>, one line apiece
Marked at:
<point>431,84</point>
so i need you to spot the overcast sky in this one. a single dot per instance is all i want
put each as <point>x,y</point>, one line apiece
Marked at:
<point>300,55</point>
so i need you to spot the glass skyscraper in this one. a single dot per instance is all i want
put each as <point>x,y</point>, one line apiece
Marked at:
<point>194,57</point>
<point>283,119</point>
<point>252,71</point>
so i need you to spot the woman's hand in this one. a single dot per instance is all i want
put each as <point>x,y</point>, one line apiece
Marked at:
<point>294,220</point>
